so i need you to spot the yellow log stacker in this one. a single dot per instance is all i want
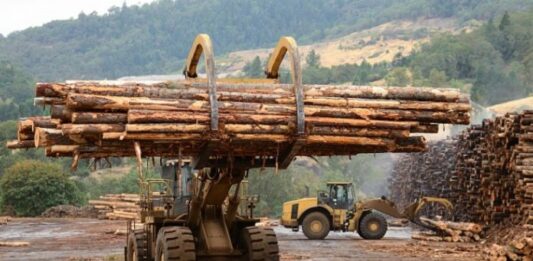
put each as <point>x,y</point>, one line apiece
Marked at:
<point>190,220</point>
<point>336,210</point>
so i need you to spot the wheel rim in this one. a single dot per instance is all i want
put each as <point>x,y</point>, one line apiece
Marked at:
<point>373,226</point>
<point>316,226</point>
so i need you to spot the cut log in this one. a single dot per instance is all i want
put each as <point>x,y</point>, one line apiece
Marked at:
<point>91,128</point>
<point>98,117</point>
<point>177,88</point>
<point>14,243</point>
<point>16,144</point>
<point>47,137</point>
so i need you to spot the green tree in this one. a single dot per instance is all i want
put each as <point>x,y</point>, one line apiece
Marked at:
<point>253,69</point>
<point>398,77</point>
<point>362,74</point>
<point>313,59</point>
<point>505,22</point>
<point>29,187</point>
<point>437,78</point>
<point>317,75</point>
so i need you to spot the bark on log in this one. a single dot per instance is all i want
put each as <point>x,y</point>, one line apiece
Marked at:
<point>91,128</point>
<point>151,116</point>
<point>60,112</point>
<point>47,137</point>
<point>86,101</point>
<point>174,89</point>
<point>98,117</point>
<point>16,144</point>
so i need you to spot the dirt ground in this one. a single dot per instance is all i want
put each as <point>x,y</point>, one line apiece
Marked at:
<point>91,239</point>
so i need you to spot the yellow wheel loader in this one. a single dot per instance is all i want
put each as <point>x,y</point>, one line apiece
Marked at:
<point>336,210</point>
<point>192,212</point>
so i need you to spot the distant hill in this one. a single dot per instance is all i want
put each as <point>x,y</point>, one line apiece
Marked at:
<point>374,45</point>
<point>154,38</point>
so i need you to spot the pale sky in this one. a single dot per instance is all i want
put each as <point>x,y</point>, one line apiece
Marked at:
<point>16,15</point>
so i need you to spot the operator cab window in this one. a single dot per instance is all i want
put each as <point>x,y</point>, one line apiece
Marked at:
<point>339,196</point>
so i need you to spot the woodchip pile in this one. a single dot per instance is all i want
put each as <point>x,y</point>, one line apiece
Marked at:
<point>487,172</point>
<point>103,119</point>
<point>117,206</point>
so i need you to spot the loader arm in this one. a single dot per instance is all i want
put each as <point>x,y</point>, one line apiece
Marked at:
<point>411,212</point>
<point>388,207</point>
<point>382,205</point>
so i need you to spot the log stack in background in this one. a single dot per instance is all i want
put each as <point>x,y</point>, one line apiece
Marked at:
<point>117,206</point>
<point>490,180</point>
<point>103,119</point>
<point>520,248</point>
<point>416,175</point>
<point>522,168</point>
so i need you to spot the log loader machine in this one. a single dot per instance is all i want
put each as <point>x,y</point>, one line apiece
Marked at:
<point>336,209</point>
<point>188,218</point>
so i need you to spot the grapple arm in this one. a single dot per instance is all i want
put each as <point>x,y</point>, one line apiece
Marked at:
<point>411,212</point>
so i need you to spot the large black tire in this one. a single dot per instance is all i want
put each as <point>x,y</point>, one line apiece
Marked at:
<point>316,225</point>
<point>372,226</point>
<point>175,243</point>
<point>259,244</point>
<point>137,248</point>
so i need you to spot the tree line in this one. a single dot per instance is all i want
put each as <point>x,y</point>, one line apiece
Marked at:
<point>494,63</point>
<point>154,38</point>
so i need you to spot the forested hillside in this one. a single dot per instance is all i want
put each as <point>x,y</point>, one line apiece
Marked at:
<point>16,92</point>
<point>494,63</point>
<point>154,38</point>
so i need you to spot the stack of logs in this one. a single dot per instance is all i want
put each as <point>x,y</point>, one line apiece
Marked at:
<point>103,119</point>
<point>450,231</point>
<point>416,175</point>
<point>487,172</point>
<point>518,249</point>
<point>117,206</point>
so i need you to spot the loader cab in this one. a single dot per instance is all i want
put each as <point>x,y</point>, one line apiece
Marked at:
<point>339,195</point>
<point>180,179</point>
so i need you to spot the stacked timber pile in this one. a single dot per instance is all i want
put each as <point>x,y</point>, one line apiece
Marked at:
<point>468,164</point>
<point>491,181</point>
<point>103,119</point>
<point>450,231</point>
<point>518,249</point>
<point>416,175</point>
<point>117,206</point>
<point>521,165</point>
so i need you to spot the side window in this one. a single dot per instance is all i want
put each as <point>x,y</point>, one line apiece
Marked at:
<point>340,193</point>
<point>186,179</point>
<point>350,194</point>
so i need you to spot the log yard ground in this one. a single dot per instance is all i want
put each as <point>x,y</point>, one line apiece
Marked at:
<point>93,239</point>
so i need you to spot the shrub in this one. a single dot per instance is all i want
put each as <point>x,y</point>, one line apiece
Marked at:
<point>29,187</point>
